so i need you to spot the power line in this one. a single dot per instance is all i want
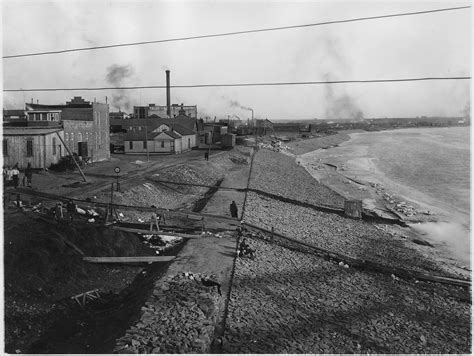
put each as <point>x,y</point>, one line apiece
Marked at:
<point>236,32</point>
<point>245,84</point>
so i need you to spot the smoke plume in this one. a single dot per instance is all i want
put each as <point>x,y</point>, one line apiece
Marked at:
<point>115,76</point>
<point>234,103</point>
<point>340,105</point>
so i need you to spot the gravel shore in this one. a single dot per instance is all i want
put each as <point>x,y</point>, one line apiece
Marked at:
<point>279,174</point>
<point>304,146</point>
<point>291,302</point>
<point>287,301</point>
<point>353,238</point>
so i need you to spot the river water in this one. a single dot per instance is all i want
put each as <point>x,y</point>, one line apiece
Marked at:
<point>427,166</point>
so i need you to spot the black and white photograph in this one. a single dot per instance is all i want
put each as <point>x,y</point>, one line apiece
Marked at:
<point>236,177</point>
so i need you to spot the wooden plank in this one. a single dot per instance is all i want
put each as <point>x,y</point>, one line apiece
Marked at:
<point>154,232</point>
<point>146,259</point>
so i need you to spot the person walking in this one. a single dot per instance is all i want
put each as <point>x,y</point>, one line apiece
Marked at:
<point>28,175</point>
<point>71,210</point>
<point>206,156</point>
<point>233,209</point>
<point>16,175</point>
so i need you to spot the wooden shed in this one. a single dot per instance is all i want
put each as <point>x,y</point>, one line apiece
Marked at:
<point>39,146</point>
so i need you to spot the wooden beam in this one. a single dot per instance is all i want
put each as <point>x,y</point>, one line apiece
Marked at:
<point>146,259</point>
<point>154,232</point>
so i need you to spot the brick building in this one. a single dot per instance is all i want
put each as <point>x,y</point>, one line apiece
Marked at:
<point>143,112</point>
<point>86,125</point>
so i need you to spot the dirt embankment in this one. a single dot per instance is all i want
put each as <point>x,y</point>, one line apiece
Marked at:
<point>42,270</point>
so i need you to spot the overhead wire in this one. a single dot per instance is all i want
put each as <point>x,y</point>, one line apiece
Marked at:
<point>244,84</point>
<point>235,33</point>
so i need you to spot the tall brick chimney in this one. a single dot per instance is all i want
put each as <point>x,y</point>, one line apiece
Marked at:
<point>168,100</point>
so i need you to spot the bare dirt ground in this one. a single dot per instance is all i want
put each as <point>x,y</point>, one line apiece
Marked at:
<point>40,281</point>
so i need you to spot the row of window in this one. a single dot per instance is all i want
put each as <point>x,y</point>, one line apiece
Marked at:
<point>43,116</point>
<point>145,144</point>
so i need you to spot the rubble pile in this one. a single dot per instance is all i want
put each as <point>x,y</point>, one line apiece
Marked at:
<point>353,238</point>
<point>148,194</point>
<point>291,302</point>
<point>161,243</point>
<point>275,145</point>
<point>183,174</point>
<point>279,174</point>
<point>178,318</point>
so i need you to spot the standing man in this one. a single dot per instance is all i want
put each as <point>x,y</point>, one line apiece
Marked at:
<point>58,212</point>
<point>15,175</point>
<point>233,210</point>
<point>154,221</point>
<point>206,156</point>
<point>28,174</point>
<point>71,210</point>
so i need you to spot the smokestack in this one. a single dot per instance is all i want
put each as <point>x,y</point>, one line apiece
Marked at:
<point>168,100</point>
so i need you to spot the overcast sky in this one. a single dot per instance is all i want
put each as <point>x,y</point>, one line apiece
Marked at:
<point>437,44</point>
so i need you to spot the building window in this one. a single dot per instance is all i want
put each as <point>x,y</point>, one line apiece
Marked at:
<point>54,145</point>
<point>29,148</point>
<point>145,144</point>
<point>130,145</point>
<point>44,117</point>
<point>162,144</point>
<point>66,137</point>
<point>189,142</point>
<point>5,147</point>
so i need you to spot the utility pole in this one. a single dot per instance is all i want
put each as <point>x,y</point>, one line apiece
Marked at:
<point>212,134</point>
<point>72,156</point>
<point>146,140</point>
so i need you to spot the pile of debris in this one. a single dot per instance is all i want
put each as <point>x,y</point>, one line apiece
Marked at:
<point>161,243</point>
<point>275,145</point>
<point>178,318</point>
<point>400,206</point>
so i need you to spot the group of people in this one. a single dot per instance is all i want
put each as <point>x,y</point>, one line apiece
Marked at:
<point>11,176</point>
<point>70,210</point>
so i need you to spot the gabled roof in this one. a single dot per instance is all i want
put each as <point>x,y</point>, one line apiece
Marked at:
<point>182,130</point>
<point>171,134</point>
<point>140,136</point>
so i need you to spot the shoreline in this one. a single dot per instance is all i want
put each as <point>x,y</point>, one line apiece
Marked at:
<point>378,193</point>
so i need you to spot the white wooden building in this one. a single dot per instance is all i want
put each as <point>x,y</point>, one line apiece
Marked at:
<point>39,146</point>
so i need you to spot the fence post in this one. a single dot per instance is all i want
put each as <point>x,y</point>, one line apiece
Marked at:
<point>353,208</point>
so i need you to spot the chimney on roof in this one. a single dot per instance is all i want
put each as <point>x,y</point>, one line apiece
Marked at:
<point>32,100</point>
<point>168,99</point>
<point>106,99</point>
<point>37,101</point>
